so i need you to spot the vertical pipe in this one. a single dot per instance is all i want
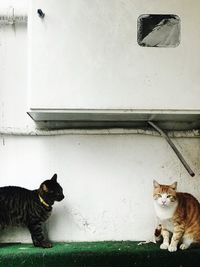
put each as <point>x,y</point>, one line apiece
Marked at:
<point>11,16</point>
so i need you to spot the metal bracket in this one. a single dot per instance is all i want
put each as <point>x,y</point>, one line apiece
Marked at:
<point>177,152</point>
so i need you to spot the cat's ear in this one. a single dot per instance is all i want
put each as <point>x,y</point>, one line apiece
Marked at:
<point>174,186</point>
<point>155,184</point>
<point>54,178</point>
<point>44,188</point>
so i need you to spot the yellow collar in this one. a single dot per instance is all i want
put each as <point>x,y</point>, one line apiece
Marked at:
<point>42,201</point>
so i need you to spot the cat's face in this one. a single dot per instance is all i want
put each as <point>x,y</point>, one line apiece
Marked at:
<point>164,195</point>
<point>51,190</point>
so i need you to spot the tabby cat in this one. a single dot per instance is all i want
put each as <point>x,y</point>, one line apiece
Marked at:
<point>30,208</point>
<point>179,214</point>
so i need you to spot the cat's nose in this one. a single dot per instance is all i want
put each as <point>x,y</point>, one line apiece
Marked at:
<point>60,197</point>
<point>163,202</point>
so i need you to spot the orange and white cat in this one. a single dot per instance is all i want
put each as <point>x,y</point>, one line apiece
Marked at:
<point>179,214</point>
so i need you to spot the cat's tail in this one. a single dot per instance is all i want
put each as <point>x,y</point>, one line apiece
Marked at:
<point>158,233</point>
<point>156,238</point>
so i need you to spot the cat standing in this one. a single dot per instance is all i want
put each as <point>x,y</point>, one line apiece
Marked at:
<point>30,208</point>
<point>179,214</point>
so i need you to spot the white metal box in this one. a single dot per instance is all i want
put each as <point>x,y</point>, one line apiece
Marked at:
<point>85,63</point>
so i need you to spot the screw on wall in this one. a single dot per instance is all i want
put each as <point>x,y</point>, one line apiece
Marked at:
<point>41,13</point>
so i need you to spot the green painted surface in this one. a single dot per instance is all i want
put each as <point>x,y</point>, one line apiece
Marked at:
<point>96,254</point>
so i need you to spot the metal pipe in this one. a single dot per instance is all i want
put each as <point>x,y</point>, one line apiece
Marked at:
<point>56,132</point>
<point>177,152</point>
<point>12,16</point>
<point>32,131</point>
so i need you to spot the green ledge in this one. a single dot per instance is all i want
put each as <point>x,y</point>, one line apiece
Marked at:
<point>96,254</point>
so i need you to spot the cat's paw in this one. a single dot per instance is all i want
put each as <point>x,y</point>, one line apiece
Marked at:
<point>164,246</point>
<point>183,246</point>
<point>44,244</point>
<point>172,248</point>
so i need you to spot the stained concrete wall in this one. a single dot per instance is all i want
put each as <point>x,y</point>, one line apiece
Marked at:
<point>107,179</point>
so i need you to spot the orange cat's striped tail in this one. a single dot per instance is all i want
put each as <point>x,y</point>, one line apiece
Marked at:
<point>158,233</point>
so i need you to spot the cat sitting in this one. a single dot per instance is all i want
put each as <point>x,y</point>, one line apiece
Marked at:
<point>179,214</point>
<point>30,208</point>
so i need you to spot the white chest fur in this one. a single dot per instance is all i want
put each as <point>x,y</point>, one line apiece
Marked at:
<point>165,215</point>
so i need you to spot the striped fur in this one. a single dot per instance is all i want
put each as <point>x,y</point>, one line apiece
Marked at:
<point>179,214</point>
<point>23,207</point>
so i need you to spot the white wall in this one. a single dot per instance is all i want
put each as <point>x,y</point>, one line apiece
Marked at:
<point>107,179</point>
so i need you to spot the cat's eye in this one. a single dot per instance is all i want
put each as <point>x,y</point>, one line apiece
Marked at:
<point>169,196</point>
<point>159,195</point>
